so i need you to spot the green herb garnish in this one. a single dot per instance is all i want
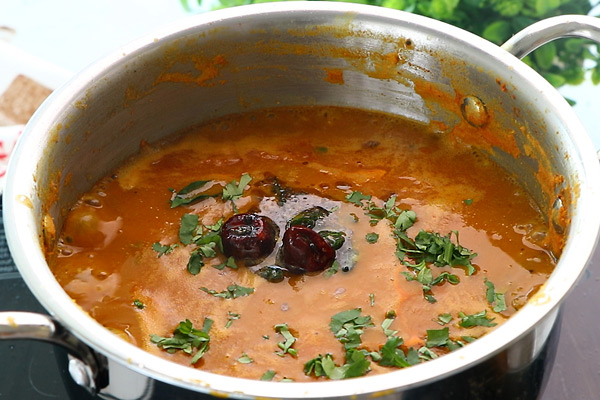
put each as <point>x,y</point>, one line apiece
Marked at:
<point>390,316</point>
<point>308,217</point>
<point>437,337</point>
<point>232,292</point>
<point>334,269</point>
<point>163,249</point>
<point>393,356</point>
<point>195,263</point>
<point>187,196</point>
<point>188,228</point>
<point>286,345</point>
<point>357,198</point>
<point>272,273</point>
<point>439,250</point>
<point>234,190</point>
<point>231,316</point>
<point>444,319</point>
<point>334,238</point>
<point>372,237</point>
<point>245,359</point>
<point>138,303</point>
<point>347,326</point>
<point>356,365</point>
<point>268,376</point>
<point>479,319</point>
<point>187,339</point>
<point>496,300</point>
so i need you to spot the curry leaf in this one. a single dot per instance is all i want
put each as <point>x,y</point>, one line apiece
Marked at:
<point>186,195</point>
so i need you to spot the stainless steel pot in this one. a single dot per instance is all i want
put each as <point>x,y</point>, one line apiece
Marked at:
<point>282,54</point>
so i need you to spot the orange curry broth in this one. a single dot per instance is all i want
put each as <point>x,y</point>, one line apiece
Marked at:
<point>105,259</point>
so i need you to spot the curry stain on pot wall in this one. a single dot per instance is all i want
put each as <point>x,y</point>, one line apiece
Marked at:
<point>378,56</point>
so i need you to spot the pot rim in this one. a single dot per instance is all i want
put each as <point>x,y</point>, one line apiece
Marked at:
<point>21,226</point>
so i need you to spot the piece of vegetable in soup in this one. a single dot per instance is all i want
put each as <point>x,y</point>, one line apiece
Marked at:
<point>304,243</point>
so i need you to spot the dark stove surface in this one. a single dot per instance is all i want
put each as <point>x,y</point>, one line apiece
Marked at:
<point>29,370</point>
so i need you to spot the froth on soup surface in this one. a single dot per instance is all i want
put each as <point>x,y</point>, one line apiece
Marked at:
<point>440,246</point>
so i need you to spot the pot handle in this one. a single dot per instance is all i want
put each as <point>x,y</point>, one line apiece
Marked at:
<point>542,32</point>
<point>87,368</point>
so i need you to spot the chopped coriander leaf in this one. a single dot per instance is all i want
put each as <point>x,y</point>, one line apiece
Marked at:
<point>496,300</point>
<point>437,337</point>
<point>195,263</point>
<point>357,198</point>
<point>208,250</point>
<point>232,292</point>
<point>405,220</point>
<point>230,263</point>
<point>138,304</point>
<point>429,297</point>
<point>468,202</point>
<point>372,237</point>
<point>186,196</point>
<point>321,149</point>
<point>234,190</point>
<point>444,318</point>
<point>206,245</point>
<point>372,299</point>
<point>216,227</point>
<point>387,322</point>
<point>187,228</point>
<point>268,376</point>
<point>347,326</point>
<point>356,365</point>
<point>479,319</point>
<point>163,249</point>
<point>335,267</point>
<point>434,248</point>
<point>426,354</point>
<point>315,366</point>
<point>445,277</point>
<point>286,345</point>
<point>392,355</point>
<point>231,316</point>
<point>207,324</point>
<point>245,359</point>
<point>186,338</point>
<point>212,239</point>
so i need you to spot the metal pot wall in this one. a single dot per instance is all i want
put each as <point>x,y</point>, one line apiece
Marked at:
<point>283,54</point>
